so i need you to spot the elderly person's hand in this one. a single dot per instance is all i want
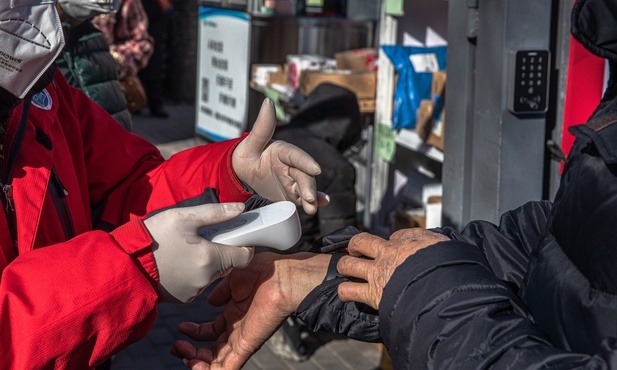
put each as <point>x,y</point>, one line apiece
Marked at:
<point>373,260</point>
<point>277,170</point>
<point>258,299</point>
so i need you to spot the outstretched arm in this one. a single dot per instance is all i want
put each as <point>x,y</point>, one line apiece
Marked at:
<point>258,299</point>
<point>442,307</point>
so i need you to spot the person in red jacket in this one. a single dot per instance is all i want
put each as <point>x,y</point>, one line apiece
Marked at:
<point>96,228</point>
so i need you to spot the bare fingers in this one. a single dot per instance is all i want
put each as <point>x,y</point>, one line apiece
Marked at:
<point>365,245</point>
<point>357,292</point>
<point>186,351</point>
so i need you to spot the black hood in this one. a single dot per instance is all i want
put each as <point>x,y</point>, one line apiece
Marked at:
<point>594,26</point>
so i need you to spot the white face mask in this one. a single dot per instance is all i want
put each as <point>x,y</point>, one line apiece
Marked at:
<point>30,40</point>
<point>86,9</point>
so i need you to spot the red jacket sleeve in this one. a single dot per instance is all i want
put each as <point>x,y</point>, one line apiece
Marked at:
<point>65,320</point>
<point>130,178</point>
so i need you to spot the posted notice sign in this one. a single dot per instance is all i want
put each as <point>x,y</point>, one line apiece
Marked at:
<point>223,72</point>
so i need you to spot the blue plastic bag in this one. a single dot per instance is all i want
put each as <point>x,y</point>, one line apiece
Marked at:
<point>413,85</point>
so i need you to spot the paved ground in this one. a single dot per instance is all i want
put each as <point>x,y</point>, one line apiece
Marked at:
<point>152,353</point>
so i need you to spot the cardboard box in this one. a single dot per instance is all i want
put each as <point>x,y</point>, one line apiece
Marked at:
<point>432,212</point>
<point>260,73</point>
<point>436,136</point>
<point>409,218</point>
<point>367,105</point>
<point>430,125</point>
<point>438,87</point>
<point>277,78</point>
<point>424,119</point>
<point>427,217</point>
<point>301,63</point>
<point>361,83</point>
<point>357,60</point>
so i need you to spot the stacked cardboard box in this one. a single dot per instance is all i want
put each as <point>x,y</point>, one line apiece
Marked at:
<point>354,70</point>
<point>431,115</point>
<point>357,60</point>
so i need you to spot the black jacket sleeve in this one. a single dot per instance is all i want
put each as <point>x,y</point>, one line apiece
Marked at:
<point>444,308</point>
<point>507,246</point>
<point>323,310</point>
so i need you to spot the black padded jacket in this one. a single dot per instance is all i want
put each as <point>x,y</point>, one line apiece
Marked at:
<point>87,64</point>
<point>535,291</point>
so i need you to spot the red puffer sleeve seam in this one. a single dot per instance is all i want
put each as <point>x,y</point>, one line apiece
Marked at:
<point>231,188</point>
<point>136,240</point>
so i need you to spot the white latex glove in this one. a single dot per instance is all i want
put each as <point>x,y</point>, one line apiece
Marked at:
<point>277,170</point>
<point>86,9</point>
<point>186,262</point>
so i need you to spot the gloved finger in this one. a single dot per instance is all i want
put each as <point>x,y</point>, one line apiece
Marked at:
<point>306,185</point>
<point>231,256</point>
<point>209,214</point>
<point>262,130</point>
<point>309,208</point>
<point>365,244</point>
<point>323,199</point>
<point>295,157</point>
<point>354,292</point>
<point>355,267</point>
<point>300,189</point>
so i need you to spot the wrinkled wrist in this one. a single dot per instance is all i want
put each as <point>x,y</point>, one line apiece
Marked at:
<point>298,276</point>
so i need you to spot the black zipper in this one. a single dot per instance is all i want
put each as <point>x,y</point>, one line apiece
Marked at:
<point>58,194</point>
<point>5,183</point>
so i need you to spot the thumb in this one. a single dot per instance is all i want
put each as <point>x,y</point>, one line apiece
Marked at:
<point>209,214</point>
<point>233,256</point>
<point>263,128</point>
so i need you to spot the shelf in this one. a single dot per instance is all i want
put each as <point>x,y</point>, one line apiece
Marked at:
<point>410,140</point>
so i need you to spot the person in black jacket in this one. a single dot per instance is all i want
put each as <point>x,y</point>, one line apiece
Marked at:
<point>154,73</point>
<point>86,61</point>
<point>539,290</point>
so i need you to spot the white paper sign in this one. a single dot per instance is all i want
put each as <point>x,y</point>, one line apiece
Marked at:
<point>423,63</point>
<point>223,72</point>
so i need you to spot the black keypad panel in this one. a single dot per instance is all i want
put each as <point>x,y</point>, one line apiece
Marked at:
<point>531,72</point>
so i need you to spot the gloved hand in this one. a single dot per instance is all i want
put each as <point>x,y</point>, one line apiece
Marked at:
<point>186,262</point>
<point>277,170</point>
<point>86,9</point>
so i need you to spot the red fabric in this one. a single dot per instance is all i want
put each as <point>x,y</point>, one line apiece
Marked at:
<point>583,90</point>
<point>71,304</point>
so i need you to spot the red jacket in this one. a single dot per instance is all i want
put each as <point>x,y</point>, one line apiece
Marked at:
<point>71,296</point>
